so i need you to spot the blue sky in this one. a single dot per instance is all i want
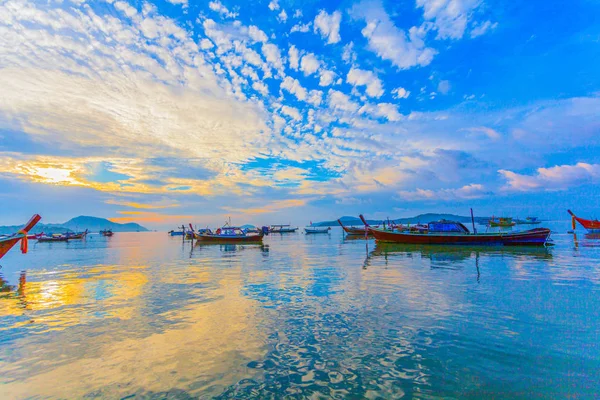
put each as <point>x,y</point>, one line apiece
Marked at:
<point>163,112</point>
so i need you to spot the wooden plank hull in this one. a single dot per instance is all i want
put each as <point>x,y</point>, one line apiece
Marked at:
<point>533,237</point>
<point>8,243</point>
<point>217,239</point>
<point>590,225</point>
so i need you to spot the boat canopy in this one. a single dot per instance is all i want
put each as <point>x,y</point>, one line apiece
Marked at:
<point>447,226</point>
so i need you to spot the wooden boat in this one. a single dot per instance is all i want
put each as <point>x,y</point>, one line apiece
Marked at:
<point>592,225</point>
<point>528,221</point>
<point>8,242</point>
<point>107,233</point>
<point>501,222</point>
<point>229,234</point>
<point>316,229</point>
<point>353,231</point>
<point>282,229</point>
<point>53,238</point>
<point>455,233</point>
<point>80,235</point>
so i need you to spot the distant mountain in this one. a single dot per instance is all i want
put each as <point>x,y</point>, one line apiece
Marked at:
<point>421,218</point>
<point>78,224</point>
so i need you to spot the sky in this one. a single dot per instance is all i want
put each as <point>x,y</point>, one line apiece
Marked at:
<point>174,111</point>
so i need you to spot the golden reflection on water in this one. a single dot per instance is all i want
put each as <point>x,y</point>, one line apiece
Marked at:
<point>212,339</point>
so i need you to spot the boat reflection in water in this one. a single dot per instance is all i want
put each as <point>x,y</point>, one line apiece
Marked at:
<point>232,248</point>
<point>586,240</point>
<point>450,257</point>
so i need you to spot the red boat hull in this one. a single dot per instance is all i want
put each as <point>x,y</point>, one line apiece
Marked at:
<point>590,225</point>
<point>353,231</point>
<point>533,237</point>
<point>7,243</point>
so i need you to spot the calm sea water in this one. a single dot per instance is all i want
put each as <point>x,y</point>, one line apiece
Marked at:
<point>142,315</point>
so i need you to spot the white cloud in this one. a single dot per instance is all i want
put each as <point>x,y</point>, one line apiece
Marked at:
<point>444,87</point>
<point>482,28</point>
<point>294,57</point>
<point>349,56</point>
<point>206,44</point>
<point>260,87</point>
<point>309,64</point>
<point>291,112</point>
<point>400,93</point>
<point>299,27</point>
<point>449,17</point>
<point>382,110</point>
<point>256,34</point>
<point>328,25</point>
<point>340,101</point>
<point>467,192</point>
<point>315,97</point>
<point>326,77</point>
<point>293,86</point>
<point>183,3</point>
<point>217,6</point>
<point>273,56</point>
<point>359,77</point>
<point>126,8</point>
<point>388,41</point>
<point>274,5</point>
<point>282,17</point>
<point>298,13</point>
<point>560,177</point>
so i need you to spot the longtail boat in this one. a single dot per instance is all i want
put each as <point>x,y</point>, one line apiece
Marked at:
<point>7,243</point>
<point>316,229</point>
<point>230,234</point>
<point>282,229</point>
<point>592,225</point>
<point>107,233</point>
<point>455,233</point>
<point>501,222</point>
<point>80,235</point>
<point>353,231</point>
<point>53,238</point>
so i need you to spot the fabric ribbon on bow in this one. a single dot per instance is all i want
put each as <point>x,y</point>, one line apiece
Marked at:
<point>24,242</point>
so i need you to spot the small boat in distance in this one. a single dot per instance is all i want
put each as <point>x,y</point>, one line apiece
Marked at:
<point>353,231</point>
<point>455,233</point>
<point>282,229</point>
<point>592,225</point>
<point>7,243</point>
<point>80,235</point>
<point>107,233</point>
<point>57,237</point>
<point>528,221</point>
<point>502,222</point>
<point>316,229</point>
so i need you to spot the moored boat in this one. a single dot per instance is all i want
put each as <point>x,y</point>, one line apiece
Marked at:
<point>53,238</point>
<point>455,233</point>
<point>282,229</point>
<point>7,243</point>
<point>353,231</point>
<point>528,221</point>
<point>107,232</point>
<point>592,225</point>
<point>230,234</point>
<point>502,222</point>
<point>316,229</point>
<point>80,235</point>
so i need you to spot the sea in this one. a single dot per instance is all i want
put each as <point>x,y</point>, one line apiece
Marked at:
<point>148,316</point>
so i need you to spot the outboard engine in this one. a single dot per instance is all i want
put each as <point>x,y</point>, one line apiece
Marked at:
<point>265,230</point>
